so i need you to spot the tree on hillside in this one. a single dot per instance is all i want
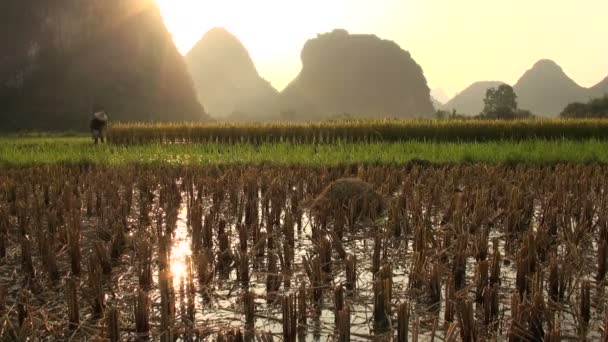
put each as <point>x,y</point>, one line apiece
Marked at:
<point>575,110</point>
<point>500,103</point>
<point>595,108</point>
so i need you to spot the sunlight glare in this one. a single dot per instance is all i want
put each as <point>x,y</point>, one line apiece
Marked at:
<point>180,252</point>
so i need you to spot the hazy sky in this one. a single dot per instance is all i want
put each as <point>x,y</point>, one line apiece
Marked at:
<point>456,42</point>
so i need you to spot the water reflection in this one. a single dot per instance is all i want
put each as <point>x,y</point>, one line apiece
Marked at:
<point>181,248</point>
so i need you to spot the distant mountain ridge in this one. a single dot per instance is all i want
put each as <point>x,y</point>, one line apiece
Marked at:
<point>545,90</point>
<point>360,75</point>
<point>226,79</point>
<point>62,58</point>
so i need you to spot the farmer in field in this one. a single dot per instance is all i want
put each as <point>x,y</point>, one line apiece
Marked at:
<point>98,125</point>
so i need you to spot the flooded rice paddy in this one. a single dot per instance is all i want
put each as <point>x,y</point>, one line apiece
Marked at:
<point>466,252</point>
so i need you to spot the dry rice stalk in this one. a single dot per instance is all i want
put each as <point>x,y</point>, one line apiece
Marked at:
<point>72,299</point>
<point>313,269</point>
<point>490,304</point>
<point>343,324</point>
<point>3,239</point>
<point>26,258</point>
<point>338,302</point>
<point>460,269</point>
<point>288,256</point>
<point>495,267</point>
<point>113,324</point>
<point>145,265</point>
<point>74,243</point>
<point>558,280</point>
<point>208,232</point>
<point>416,274</point>
<point>243,268</point>
<point>249,309</point>
<point>449,301</point>
<point>325,256</point>
<point>434,285</point>
<point>337,245</point>
<point>101,251</point>
<point>522,282</point>
<point>466,321</point>
<point>243,236</point>
<point>142,315</point>
<point>97,298</point>
<point>24,312</point>
<point>586,302</point>
<point>2,299</point>
<point>50,259</point>
<point>377,253</point>
<point>605,331</point>
<point>205,270</point>
<point>225,254</point>
<point>289,318</point>
<point>481,245</point>
<point>403,322</point>
<point>302,308</point>
<point>196,213</point>
<point>481,277</point>
<point>382,299</point>
<point>167,305</point>
<point>451,334</point>
<point>273,279</point>
<point>602,256</point>
<point>555,334</point>
<point>351,273</point>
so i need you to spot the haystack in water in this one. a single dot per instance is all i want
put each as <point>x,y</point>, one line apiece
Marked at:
<point>347,200</point>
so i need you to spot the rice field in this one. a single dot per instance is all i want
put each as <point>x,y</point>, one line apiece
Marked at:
<point>359,131</point>
<point>335,231</point>
<point>308,253</point>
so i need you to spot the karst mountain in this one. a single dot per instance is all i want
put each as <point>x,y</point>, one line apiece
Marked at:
<point>227,81</point>
<point>61,59</point>
<point>358,75</point>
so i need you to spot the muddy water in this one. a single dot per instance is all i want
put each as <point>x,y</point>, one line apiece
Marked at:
<point>223,308</point>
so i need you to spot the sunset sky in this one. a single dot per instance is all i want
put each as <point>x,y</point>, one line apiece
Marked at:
<point>456,42</point>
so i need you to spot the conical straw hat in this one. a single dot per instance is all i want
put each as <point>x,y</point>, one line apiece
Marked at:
<point>101,116</point>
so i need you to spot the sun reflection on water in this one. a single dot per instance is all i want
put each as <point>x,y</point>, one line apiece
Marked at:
<point>181,249</point>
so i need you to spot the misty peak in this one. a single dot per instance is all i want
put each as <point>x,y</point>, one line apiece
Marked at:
<point>219,33</point>
<point>218,38</point>
<point>547,67</point>
<point>546,63</point>
<point>226,79</point>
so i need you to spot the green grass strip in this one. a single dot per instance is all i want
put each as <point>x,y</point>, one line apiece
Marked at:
<point>15,152</point>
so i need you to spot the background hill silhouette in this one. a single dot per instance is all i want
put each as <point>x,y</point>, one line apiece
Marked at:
<point>470,100</point>
<point>545,90</point>
<point>226,79</point>
<point>61,58</point>
<point>360,75</point>
<point>599,89</point>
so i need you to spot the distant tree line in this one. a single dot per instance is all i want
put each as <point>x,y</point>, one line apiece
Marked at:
<point>595,108</point>
<point>501,103</point>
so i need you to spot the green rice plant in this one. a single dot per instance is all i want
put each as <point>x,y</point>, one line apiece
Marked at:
<point>330,132</point>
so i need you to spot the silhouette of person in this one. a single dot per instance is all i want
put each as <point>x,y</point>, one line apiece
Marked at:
<point>98,125</point>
